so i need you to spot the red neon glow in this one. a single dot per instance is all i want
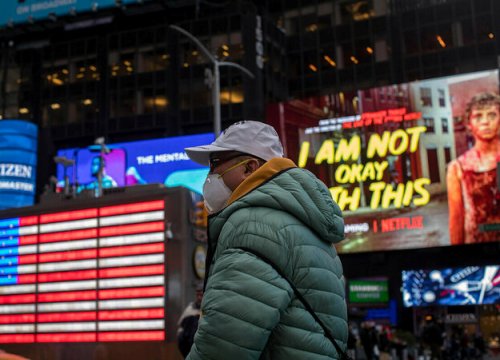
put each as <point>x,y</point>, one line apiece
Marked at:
<point>68,235</point>
<point>28,220</point>
<point>17,338</point>
<point>26,279</point>
<point>131,271</point>
<point>28,239</point>
<point>132,229</point>
<point>132,208</point>
<point>132,250</point>
<point>20,318</point>
<point>132,293</point>
<point>70,337</point>
<point>68,276</point>
<point>156,313</point>
<point>67,316</point>
<point>68,215</point>
<point>68,255</point>
<point>27,259</point>
<point>68,296</point>
<point>17,299</point>
<point>131,336</point>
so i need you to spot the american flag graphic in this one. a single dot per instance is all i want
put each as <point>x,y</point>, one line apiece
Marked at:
<point>94,274</point>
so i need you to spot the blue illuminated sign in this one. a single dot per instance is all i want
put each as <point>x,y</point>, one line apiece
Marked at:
<point>140,162</point>
<point>15,12</point>
<point>18,156</point>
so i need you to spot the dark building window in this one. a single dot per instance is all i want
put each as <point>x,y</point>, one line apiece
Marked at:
<point>429,124</point>
<point>444,125</point>
<point>441,98</point>
<point>426,96</point>
<point>432,159</point>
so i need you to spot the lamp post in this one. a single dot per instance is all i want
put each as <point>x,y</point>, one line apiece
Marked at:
<point>215,81</point>
<point>65,162</point>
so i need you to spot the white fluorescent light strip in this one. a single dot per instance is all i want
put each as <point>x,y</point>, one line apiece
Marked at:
<point>28,230</point>
<point>17,289</point>
<point>68,265</point>
<point>62,327</point>
<point>17,309</point>
<point>17,328</point>
<point>29,249</point>
<point>131,325</point>
<point>130,303</point>
<point>68,245</point>
<point>68,225</point>
<point>132,260</point>
<point>67,306</point>
<point>26,269</point>
<point>67,286</point>
<point>132,239</point>
<point>131,282</point>
<point>134,218</point>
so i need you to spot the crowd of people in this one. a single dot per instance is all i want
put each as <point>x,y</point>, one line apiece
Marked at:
<point>382,342</point>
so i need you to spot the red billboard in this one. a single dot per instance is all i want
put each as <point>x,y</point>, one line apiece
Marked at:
<point>86,275</point>
<point>411,165</point>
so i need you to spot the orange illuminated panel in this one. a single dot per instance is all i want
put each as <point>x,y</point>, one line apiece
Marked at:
<point>132,208</point>
<point>132,229</point>
<point>68,235</point>
<point>67,316</point>
<point>68,215</point>
<point>69,337</point>
<point>68,255</point>
<point>68,276</point>
<point>131,271</point>
<point>28,239</point>
<point>132,250</point>
<point>151,291</point>
<point>131,336</point>
<point>156,313</point>
<point>17,299</point>
<point>19,318</point>
<point>67,296</point>
<point>17,338</point>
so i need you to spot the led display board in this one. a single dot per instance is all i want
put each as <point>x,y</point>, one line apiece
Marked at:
<point>140,162</point>
<point>17,12</point>
<point>368,291</point>
<point>471,285</point>
<point>18,159</point>
<point>86,275</point>
<point>410,165</point>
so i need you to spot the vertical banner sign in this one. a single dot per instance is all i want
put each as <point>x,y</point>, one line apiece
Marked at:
<point>87,275</point>
<point>18,156</point>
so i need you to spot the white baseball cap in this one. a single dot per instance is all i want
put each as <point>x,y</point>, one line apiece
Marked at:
<point>249,137</point>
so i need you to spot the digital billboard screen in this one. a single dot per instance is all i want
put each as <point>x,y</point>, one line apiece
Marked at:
<point>411,165</point>
<point>139,162</point>
<point>86,275</point>
<point>368,291</point>
<point>471,285</point>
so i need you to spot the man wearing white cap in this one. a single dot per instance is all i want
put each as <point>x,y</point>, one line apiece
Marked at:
<point>274,285</point>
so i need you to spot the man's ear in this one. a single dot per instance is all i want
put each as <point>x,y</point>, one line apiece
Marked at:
<point>252,166</point>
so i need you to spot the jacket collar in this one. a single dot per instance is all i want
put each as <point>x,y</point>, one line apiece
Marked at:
<point>261,175</point>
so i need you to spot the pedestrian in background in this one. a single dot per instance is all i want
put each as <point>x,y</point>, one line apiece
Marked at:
<point>188,323</point>
<point>269,220</point>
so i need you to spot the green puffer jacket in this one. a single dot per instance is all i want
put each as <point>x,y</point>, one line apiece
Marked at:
<point>249,311</point>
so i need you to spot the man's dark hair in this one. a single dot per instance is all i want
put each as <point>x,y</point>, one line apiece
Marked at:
<point>481,100</point>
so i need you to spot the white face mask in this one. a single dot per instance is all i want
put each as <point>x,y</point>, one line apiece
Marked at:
<point>215,191</point>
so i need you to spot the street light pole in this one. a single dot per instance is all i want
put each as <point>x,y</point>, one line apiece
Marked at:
<point>216,77</point>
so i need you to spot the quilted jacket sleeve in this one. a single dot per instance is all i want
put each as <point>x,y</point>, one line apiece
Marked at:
<point>242,304</point>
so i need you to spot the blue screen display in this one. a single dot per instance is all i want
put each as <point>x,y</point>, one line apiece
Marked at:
<point>18,160</point>
<point>16,12</point>
<point>471,285</point>
<point>140,162</point>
